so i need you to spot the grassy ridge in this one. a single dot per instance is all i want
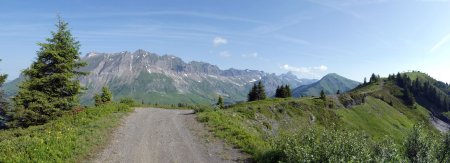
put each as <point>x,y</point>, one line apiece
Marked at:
<point>250,126</point>
<point>254,126</point>
<point>68,139</point>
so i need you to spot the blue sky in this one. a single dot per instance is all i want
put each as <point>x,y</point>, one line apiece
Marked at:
<point>311,38</point>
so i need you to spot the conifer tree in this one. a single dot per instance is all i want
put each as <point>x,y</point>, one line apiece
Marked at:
<point>365,81</point>
<point>408,97</point>
<point>338,92</point>
<point>253,93</point>
<point>322,95</point>
<point>50,86</point>
<point>288,91</point>
<point>106,95</point>
<point>220,102</point>
<point>257,92</point>
<point>261,92</point>
<point>283,91</point>
<point>390,77</point>
<point>278,92</point>
<point>416,86</point>
<point>373,78</point>
<point>103,98</point>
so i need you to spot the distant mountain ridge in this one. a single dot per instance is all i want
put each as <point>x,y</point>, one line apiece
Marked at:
<point>152,78</point>
<point>330,84</point>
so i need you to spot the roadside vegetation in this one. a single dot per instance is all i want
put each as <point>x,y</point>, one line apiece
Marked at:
<point>373,123</point>
<point>45,122</point>
<point>71,138</point>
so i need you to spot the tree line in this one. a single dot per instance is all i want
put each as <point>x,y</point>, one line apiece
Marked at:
<point>414,89</point>
<point>373,79</point>
<point>283,91</point>
<point>258,92</point>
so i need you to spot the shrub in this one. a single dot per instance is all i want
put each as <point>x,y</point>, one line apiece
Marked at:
<point>104,98</point>
<point>128,101</point>
<point>443,150</point>
<point>321,145</point>
<point>200,108</point>
<point>324,145</point>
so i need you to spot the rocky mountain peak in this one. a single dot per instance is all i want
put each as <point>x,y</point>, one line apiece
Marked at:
<point>152,75</point>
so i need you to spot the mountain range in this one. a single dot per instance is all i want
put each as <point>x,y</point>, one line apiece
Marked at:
<point>151,78</point>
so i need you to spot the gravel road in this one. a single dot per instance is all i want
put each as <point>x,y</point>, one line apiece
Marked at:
<point>163,135</point>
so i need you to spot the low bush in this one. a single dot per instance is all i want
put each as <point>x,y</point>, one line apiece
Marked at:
<point>321,145</point>
<point>129,101</point>
<point>316,144</point>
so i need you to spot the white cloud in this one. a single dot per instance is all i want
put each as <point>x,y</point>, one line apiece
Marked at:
<point>251,55</point>
<point>438,45</point>
<point>217,41</point>
<point>225,54</point>
<point>306,71</point>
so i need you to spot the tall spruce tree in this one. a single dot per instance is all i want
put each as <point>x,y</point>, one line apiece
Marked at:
<point>322,95</point>
<point>257,92</point>
<point>408,97</point>
<point>50,86</point>
<point>220,102</point>
<point>253,93</point>
<point>261,91</point>
<point>278,92</point>
<point>288,92</point>
<point>283,91</point>
<point>373,78</point>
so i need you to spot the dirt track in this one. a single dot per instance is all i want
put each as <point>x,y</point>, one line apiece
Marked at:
<point>162,135</point>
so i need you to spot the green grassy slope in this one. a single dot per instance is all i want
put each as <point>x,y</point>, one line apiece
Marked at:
<point>71,138</point>
<point>378,119</point>
<point>250,125</point>
<point>372,109</point>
